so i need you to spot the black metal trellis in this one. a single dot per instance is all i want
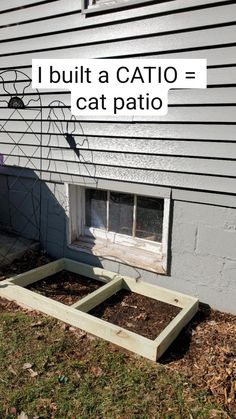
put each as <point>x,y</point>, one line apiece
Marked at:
<point>24,156</point>
<point>20,158</point>
<point>64,133</point>
<point>62,124</point>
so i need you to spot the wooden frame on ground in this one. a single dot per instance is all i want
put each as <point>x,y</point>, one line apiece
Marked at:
<point>77,314</point>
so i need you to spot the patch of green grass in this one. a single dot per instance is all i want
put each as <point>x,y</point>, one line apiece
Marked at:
<point>84,378</point>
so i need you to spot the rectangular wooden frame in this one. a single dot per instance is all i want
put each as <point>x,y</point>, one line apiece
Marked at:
<point>77,314</point>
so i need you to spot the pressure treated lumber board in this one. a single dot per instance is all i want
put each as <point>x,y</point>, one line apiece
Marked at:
<point>77,314</point>
<point>97,297</point>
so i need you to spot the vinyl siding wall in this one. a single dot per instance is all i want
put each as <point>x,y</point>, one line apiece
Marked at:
<point>193,147</point>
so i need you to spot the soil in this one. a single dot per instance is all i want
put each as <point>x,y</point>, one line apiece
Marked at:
<point>8,306</point>
<point>30,260</point>
<point>137,313</point>
<point>65,287</point>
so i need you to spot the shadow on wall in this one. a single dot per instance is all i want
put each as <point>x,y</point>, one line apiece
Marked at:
<point>37,209</point>
<point>29,207</point>
<point>34,210</point>
<point>19,202</point>
<point>66,145</point>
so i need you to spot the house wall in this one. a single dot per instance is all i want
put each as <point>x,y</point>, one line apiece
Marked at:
<point>191,151</point>
<point>20,205</point>
<point>201,251</point>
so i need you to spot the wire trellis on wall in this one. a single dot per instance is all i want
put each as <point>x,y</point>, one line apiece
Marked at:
<point>21,147</point>
<point>32,144</point>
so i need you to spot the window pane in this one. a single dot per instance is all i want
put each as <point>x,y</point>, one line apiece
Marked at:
<point>96,208</point>
<point>149,218</point>
<point>121,213</point>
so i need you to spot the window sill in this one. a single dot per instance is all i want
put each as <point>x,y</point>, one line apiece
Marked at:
<point>128,255</point>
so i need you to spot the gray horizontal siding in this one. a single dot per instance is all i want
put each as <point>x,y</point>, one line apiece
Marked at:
<point>205,132</point>
<point>184,114</point>
<point>217,96</point>
<point>62,171</point>
<point>99,29</point>
<point>219,38</point>
<point>68,172</point>
<point>141,160</point>
<point>62,7</point>
<point>13,38</point>
<point>56,145</point>
<point>192,147</point>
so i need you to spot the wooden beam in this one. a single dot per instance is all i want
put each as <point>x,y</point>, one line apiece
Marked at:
<point>172,330</point>
<point>37,274</point>
<point>90,271</point>
<point>97,297</point>
<point>158,293</point>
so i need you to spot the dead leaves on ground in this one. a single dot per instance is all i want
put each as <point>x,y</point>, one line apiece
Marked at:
<point>210,361</point>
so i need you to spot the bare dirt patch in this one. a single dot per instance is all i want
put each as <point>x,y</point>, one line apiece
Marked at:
<point>30,260</point>
<point>65,287</point>
<point>8,306</point>
<point>137,313</point>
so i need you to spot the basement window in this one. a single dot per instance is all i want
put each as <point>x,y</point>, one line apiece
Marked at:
<point>128,227</point>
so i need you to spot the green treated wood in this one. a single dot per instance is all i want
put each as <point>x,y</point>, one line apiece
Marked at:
<point>169,334</point>
<point>13,289</point>
<point>76,318</point>
<point>97,297</point>
<point>158,293</point>
<point>90,271</point>
<point>36,274</point>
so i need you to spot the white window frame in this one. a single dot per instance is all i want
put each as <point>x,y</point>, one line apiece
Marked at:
<point>78,231</point>
<point>87,6</point>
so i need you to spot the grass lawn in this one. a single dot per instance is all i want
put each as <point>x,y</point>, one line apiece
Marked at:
<point>51,370</point>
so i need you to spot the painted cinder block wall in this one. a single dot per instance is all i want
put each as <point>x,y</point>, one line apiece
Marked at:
<point>191,151</point>
<point>202,251</point>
